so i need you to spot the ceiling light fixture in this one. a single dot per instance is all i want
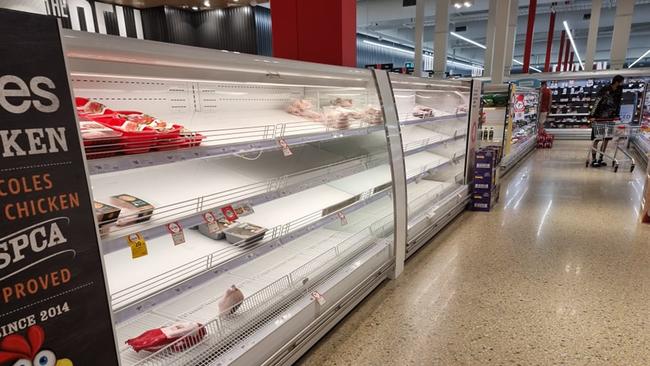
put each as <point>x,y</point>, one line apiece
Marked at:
<point>195,8</point>
<point>425,55</point>
<point>467,4</point>
<point>467,40</point>
<point>568,31</point>
<point>640,58</point>
<point>458,5</point>
<point>206,3</point>
<point>483,47</point>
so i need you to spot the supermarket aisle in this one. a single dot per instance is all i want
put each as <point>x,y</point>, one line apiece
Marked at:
<point>558,274</point>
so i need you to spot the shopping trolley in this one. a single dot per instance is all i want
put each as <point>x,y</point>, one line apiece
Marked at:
<point>617,132</point>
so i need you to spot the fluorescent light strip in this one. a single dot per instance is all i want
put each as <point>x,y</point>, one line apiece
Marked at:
<point>566,27</point>
<point>640,58</point>
<point>412,53</point>
<point>483,47</point>
<point>467,40</point>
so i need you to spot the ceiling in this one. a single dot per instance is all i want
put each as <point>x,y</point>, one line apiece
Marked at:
<point>390,20</point>
<point>200,4</point>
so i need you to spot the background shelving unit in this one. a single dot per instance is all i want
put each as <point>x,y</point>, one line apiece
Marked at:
<point>572,100</point>
<point>318,179</point>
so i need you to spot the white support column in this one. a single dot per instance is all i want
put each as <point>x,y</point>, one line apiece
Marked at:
<point>621,36</point>
<point>419,31</point>
<point>500,41</point>
<point>489,38</point>
<point>592,37</point>
<point>440,39</point>
<point>513,16</point>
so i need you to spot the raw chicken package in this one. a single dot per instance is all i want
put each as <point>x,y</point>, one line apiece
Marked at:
<point>303,108</point>
<point>106,216</point>
<point>231,301</point>
<point>134,210</point>
<point>155,339</point>
<point>222,224</point>
<point>244,233</point>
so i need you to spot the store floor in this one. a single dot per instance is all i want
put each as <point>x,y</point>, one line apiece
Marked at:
<point>558,274</point>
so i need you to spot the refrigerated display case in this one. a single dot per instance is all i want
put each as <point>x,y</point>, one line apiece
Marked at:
<point>642,142</point>
<point>434,120</point>
<point>220,177</point>
<point>496,117</point>
<point>523,129</point>
<point>276,173</point>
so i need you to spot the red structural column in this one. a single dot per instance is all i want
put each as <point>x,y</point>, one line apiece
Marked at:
<point>571,62</point>
<point>559,56</point>
<point>316,31</point>
<point>567,44</point>
<point>532,9</point>
<point>549,42</point>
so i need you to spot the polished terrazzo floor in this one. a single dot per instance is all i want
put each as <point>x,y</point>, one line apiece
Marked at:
<point>558,274</point>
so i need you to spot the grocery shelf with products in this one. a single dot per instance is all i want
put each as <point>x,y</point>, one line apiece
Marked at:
<point>508,122</point>
<point>573,98</point>
<point>524,126</point>
<point>243,199</point>
<point>434,117</point>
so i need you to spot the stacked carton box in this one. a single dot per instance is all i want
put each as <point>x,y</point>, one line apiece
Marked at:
<point>485,191</point>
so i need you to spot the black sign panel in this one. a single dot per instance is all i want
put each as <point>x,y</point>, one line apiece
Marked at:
<point>54,307</point>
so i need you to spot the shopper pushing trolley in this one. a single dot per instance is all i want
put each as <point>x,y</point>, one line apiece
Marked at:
<point>606,126</point>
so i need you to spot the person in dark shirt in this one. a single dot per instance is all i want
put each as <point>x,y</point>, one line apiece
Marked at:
<point>608,106</point>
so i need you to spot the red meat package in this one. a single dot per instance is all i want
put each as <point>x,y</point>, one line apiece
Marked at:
<point>155,339</point>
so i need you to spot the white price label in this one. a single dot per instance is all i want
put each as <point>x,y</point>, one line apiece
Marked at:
<point>344,220</point>
<point>285,147</point>
<point>211,220</point>
<point>176,232</point>
<point>318,297</point>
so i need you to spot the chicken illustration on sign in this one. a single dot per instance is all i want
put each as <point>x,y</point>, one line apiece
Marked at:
<point>27,351</point>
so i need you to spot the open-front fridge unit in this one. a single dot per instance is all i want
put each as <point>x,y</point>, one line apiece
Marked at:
<point>523,129</point>
<point>496,117</point>
<point>246,204</point>
<point>642,142</point>
<point>433,118</point>
<point>254,196</point>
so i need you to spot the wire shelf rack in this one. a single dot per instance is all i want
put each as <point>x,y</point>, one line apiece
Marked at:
<point>221,334</point>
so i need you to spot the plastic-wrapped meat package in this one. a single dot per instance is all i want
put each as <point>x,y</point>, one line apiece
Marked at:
<point>303,108</point>
<point>342,102</point>
<point>91,130</point>
<point>337,117</point>
<point>156,339</point>
<point>231,301</point>
<point>421,111</point>
<point>372,115</point>
<point>90,107</point>
<point>462,109</point>
<point>134,210</point>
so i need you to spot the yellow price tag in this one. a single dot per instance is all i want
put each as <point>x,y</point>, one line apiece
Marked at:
<point>138,245</point>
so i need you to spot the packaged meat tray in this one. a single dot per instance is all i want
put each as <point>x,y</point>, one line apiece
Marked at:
<point>134,210</point>
<point>182,335</point>
<point>222,223</point>
<point>243,233</point>
<point>106,216</point>
<point>99,140</point>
